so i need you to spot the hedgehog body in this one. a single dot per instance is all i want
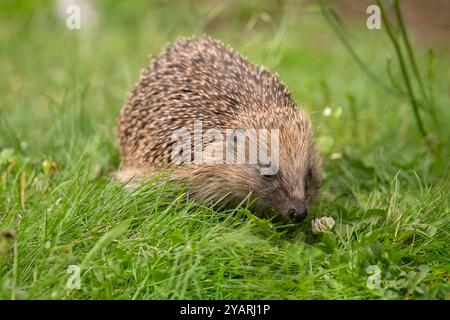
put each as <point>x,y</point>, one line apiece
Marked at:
<point>200,80</point>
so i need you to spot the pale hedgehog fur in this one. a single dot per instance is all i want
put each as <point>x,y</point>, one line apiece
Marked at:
<point>203,79</point>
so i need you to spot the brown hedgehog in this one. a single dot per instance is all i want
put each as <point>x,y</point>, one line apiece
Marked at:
<point>200,80</point>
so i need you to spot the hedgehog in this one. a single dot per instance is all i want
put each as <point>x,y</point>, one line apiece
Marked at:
<point>201,80</point>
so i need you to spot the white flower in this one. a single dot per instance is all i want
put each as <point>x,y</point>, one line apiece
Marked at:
<point>327,112</point>
<point>322,225</point>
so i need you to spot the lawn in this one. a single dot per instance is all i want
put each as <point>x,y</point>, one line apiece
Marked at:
<point>62,212</point>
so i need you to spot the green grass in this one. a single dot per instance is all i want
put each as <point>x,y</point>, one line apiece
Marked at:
<point>61,92</point>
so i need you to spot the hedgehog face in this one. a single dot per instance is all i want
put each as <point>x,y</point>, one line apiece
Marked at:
<point>291,189</point>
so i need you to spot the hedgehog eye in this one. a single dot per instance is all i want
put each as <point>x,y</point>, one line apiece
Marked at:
<point>309,175</point>
<point>309,178</point>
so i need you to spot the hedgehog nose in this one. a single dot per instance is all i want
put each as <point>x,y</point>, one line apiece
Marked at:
<point>297,214</point>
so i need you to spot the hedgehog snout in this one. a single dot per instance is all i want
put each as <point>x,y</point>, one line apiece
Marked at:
<point>297,213</point>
